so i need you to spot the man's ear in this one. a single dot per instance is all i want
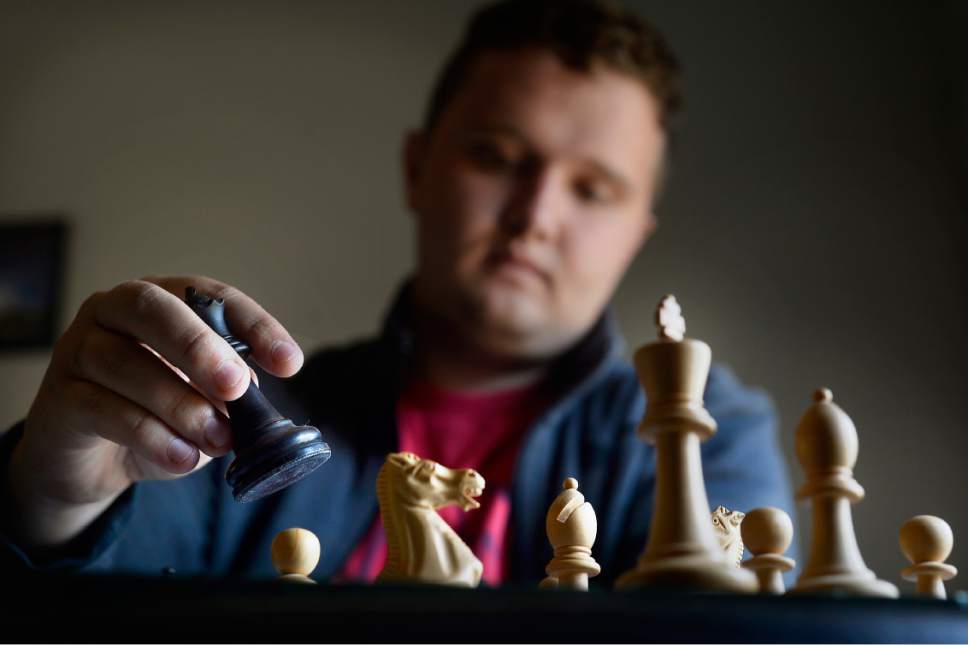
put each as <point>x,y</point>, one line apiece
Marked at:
<point>414,156</point>
<point>651,224</point>
<point>648,228</point>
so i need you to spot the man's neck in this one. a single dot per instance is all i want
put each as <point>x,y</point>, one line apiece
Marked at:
<point>446,359</point>
<point>445,373</point>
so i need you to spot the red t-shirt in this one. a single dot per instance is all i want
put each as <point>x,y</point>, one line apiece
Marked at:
<point>461,430</point>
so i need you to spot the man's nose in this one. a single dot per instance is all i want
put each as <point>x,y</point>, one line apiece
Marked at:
<point>535,205</point>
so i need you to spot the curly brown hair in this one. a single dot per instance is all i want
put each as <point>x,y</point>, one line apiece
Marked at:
<point>581,33</point>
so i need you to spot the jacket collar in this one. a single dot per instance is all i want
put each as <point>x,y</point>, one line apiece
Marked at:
<point>601,344</point>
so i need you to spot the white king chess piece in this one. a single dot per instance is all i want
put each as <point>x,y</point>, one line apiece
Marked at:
<point>682,550</point>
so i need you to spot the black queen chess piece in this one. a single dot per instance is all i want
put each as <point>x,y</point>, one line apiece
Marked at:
<point>271,452</point>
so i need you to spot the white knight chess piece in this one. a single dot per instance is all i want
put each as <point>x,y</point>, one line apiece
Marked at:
<point>727,526</point>
<point>421,546</point>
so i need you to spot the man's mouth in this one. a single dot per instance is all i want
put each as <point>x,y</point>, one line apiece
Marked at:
<point>469,494</point>
<point>518,263</point>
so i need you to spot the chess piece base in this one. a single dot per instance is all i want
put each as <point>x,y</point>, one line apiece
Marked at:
<point>855,584</point>
<point>769,568</point>
<point>297,578</point>
<point>548,583</point>
<point>284,454</point>
<point>942,570</point>
<point>698,573</point>
<point>571,567</point>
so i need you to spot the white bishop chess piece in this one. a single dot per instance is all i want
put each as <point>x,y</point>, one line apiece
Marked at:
<point>572,527</point>
<point>682,550</point>
<point>826,446</point>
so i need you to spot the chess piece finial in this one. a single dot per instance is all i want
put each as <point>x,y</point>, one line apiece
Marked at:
<point>271,452</point>
<point>295,553</point>
<point>823,395</point>
<point>826,447</point>
<point>572,526</point>
<point>421,546</point>
<point>926,542</point>
<point>727,523</point>
<point>767,533</point>
<point>682,549</point>
<point>669,320</point>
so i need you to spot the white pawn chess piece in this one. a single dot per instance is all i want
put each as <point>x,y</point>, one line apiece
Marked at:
<point>926,541</point>
<point>295,553</point>
<point>572,526</point>
<point>767,533</point>
<point>826,447</point>
<point>682,550</point>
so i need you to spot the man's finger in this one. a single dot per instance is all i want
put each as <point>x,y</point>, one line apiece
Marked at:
<point>150,314</point>
<point>99,411</point>
<point>273,348</point>
<point>125,367</point>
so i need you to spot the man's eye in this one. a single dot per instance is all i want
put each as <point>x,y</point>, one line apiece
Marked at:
<point>592,191</point>
<point>490,157</point>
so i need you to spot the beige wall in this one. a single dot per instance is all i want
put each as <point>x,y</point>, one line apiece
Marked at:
<point>812,230</point>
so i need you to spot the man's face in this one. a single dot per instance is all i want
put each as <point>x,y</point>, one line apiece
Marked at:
<point>532,194</point>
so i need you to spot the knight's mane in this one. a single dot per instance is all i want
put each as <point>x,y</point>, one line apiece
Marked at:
<point>383,496</point>
<point>737,544</point>
<point>394,513</point>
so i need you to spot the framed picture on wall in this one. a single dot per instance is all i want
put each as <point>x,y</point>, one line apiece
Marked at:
<point>32,264</point>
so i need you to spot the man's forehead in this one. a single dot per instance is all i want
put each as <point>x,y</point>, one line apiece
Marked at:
<point>601,114</point>
<point>521,73</point>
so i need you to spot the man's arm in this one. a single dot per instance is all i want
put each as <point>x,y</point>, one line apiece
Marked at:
<point>743,463</point>
<point>79,553</point>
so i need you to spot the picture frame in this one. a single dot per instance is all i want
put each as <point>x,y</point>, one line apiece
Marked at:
<point>32,262</point>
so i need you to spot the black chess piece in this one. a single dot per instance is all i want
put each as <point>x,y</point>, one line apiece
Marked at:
<point>271,452</point>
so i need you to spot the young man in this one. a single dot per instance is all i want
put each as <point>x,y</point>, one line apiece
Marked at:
<point>532,184</point>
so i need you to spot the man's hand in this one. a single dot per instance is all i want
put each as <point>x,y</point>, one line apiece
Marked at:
<point>134,391</point>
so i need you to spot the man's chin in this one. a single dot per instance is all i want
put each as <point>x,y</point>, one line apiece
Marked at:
<point>513,324</point>
<point>512,310</point>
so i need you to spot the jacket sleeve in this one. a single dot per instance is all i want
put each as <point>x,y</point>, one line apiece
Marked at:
<point>743,468</point>
<point>743,463</point>
<point>80,553</point>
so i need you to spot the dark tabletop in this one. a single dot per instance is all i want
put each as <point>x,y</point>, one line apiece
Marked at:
<point>98,608</point>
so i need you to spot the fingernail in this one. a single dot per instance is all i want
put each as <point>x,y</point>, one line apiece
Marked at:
<point>217,432</point>
<point>283,351</point>
<point>179,451</point>
<point>228,374</point>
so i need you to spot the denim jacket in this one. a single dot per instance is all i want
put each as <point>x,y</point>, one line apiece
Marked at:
<point>193,525</point>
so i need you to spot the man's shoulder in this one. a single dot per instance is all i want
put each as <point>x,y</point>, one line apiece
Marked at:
<point>619,391</point>
<point>340,364</point>
<point>334,381</point>
<point>734,403</point>
<point>355,353</point>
